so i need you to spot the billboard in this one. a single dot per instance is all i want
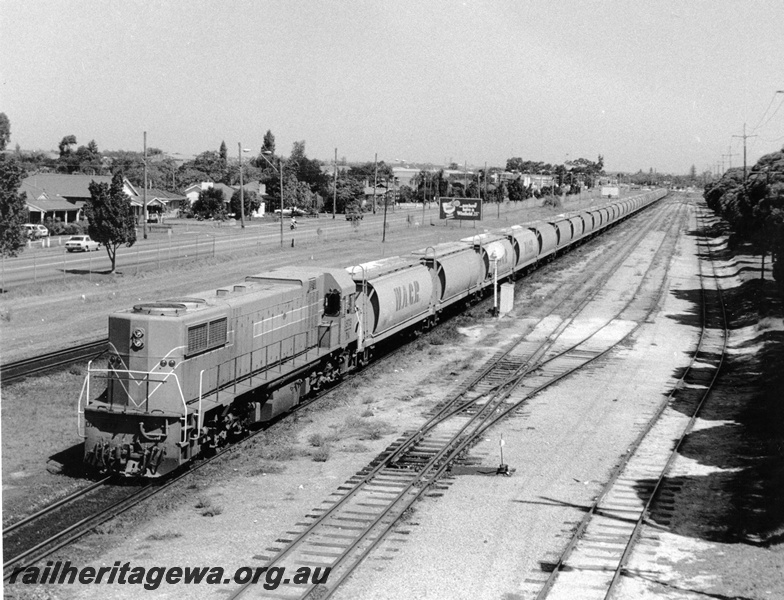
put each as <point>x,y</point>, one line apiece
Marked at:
<point>610,191</point>
<point>460,209</point>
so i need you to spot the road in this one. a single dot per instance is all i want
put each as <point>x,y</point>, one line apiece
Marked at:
<point>39,264</point>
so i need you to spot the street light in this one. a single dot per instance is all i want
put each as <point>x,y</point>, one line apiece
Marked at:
<point>279,171</point>
<point>242,188</point>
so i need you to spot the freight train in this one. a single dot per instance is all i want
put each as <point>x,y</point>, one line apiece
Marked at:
<point>188,375</point>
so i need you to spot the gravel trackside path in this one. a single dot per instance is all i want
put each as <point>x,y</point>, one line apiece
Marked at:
<point>492,537</point>
<point>474,536</point>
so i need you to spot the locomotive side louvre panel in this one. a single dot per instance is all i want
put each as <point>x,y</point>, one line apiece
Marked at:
<point>207,336</point>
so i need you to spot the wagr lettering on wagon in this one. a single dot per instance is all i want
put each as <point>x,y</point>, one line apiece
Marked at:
<point>406,296</point>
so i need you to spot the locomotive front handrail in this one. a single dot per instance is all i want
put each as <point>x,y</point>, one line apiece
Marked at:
<point>80,421</point>
<point>147,375</point>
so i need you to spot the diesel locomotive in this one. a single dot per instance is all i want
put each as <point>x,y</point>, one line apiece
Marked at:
<point>188,375</point>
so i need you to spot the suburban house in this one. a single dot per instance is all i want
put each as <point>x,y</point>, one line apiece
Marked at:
<point>59,196</point>
<point>160,202</point>
<point>192,193</point>
<point>533,180</point>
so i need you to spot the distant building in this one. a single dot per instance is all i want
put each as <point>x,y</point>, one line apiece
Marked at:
<point>58,196</point>
<point>260,189</point>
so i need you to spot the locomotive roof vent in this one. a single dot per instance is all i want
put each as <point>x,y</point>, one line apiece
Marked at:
<point>160,308</point>
<point>221,293</point>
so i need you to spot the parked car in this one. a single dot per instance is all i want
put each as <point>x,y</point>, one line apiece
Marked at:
<point>35,231</point>
<point>287,212</point>
<point>81,243</point>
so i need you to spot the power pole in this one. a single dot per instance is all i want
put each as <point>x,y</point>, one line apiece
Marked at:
<point>744,136</point>
<point>729,156</point>
<point>375,183</point>
<point>334,186</point>
<point>144,201</point>
<point>242,192</point>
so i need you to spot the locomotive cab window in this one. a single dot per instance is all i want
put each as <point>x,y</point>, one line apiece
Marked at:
<point>207,336</point>
<point>332,303</point>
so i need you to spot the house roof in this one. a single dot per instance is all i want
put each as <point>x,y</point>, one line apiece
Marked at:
<point>49,205</point>
<point>67,186</point>
<point>227,190</point>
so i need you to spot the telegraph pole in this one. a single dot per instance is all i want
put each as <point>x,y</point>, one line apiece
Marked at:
<point>334,186</point>
<point>744,136</point>
<point>375,183</point>
<point>729,155</point>
<point>144,201</point>
<point>242,192</point>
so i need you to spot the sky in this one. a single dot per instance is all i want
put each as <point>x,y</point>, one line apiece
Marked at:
<point>658,85</point>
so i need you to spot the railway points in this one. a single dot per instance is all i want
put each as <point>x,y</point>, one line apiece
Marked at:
<point>567,342</point>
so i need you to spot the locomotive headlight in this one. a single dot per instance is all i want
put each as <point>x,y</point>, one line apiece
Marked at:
<point>137,338</point>
<point>163,362</point>
<point>171,363</point>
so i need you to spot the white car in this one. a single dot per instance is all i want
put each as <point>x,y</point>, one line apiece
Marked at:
<point>81,243</point>
<point>35,231</point>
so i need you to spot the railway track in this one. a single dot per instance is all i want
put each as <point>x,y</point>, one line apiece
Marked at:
<point>34,548</point>
<point>36,365</point>
<point>341,533</point>
<point>594,559</point>
<point>33,538</point>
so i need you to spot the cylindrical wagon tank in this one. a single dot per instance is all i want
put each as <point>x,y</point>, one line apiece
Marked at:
<point>547,237</point>
<point>577,227</point>
<point>525,243</point>
<point>588,224</point>
<point>494,250</point>
<point>392,294</point>
<point>457,270</point>
<point>563,232</point>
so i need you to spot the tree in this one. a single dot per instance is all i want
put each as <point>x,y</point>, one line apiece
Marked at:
<point>5,131</point>
<point>223,158</point>
<point>110,214</point>
<point>350,193</point>
<point>307,170</point>
<point>88,158</point>
<point>250,200</point>
<point>269,143</point>
<point>65,145</point>
<point>13,211</point>
<point>210,204</point>
<point>516,190</point>
<point>367,172</point>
